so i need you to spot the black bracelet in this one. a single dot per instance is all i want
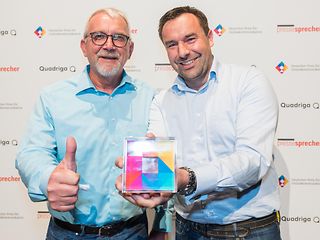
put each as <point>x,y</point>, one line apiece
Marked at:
<point>192,184</point>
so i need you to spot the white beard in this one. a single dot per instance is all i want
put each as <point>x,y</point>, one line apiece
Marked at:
<point>108,73</point>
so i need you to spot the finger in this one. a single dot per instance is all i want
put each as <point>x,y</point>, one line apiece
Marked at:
<point>146,195</point>
<point>62,203</point>
<point>119,162</point>
<point>59,190</point>
<point>66,201</point>
<point>61,176</point>
<point>70,156</point>
<point>128,197</point>
<point>62,206</point>
<point>150,135</point>
<point>154,200</point>
<point>68,191</point>
<point>68,177</point>
<point>143,202</point>
<point>118,183</point>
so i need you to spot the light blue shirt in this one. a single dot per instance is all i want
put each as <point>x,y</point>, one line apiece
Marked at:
<point>225,133</point>
<point>99,122</point>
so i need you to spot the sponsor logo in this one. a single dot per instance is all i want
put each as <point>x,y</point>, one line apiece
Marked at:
<point>9,69</point>
<point>305,67</point>
<point>40,32</point>
<point>63,32</point>
<point>300,219</point>
<point>12,142</point>
<point>291,28</point>
<point>133,30</point>
<point>283,181</point>
<point>57,68</point>
<point>132,68</point>
<point>10,179</point>
<point>301,105</point>
<point>165,67</point>
<point>291,142</point>
<point>282,67</point>
<point>305,181</point>
<point>11,106</point>
<point>10,215</point>
<point>5,32</point>
<point>244,30</point>
<point>219,30</point>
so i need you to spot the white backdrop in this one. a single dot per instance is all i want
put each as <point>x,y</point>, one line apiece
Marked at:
<point>261,33</point>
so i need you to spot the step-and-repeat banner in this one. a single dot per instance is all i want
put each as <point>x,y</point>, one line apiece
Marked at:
<point>39,44</point>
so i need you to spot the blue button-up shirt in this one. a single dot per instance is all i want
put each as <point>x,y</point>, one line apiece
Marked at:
<point>225,133</point>
<point>99,122</point>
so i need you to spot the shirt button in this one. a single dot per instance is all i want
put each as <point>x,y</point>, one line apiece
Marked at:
<point>210,213</point>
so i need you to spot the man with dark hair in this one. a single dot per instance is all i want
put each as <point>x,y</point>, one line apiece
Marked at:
<point>224,118</point>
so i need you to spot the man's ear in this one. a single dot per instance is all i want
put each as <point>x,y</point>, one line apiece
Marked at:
<point>210,36</point>
<point>83,47</point>
<point>131,47</point>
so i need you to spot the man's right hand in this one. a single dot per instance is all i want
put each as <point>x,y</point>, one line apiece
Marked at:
<point>63,183</point>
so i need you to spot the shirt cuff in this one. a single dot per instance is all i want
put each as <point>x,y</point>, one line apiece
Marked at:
<point>45,179</point>
<point>206,180</point>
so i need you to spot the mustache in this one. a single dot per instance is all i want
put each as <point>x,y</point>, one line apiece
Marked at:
<point>108,54</point>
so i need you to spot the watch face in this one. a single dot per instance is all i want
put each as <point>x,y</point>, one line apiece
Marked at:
<point>192,184</point>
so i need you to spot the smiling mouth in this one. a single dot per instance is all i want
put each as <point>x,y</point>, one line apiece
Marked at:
<point>187,62</point>
<point>109,57</point>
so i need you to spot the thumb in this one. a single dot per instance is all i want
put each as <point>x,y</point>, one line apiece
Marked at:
<point>119,162</point>
<point>70,156</point>
<point>150,135</point>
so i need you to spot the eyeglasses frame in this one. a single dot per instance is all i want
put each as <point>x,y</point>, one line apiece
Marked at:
<point>107,37</point>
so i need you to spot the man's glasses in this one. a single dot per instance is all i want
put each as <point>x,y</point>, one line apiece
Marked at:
<point>100,38</point>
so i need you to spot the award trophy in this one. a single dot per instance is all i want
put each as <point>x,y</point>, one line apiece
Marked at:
<point>149,165</point>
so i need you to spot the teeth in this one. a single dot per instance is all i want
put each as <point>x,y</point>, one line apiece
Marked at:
<point>187,62</point>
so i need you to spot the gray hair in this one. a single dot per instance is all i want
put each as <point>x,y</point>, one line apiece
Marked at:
<point>112,12</point>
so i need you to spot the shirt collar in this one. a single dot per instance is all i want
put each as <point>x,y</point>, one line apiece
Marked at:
<point>179,86</point>
<point>85,85</point>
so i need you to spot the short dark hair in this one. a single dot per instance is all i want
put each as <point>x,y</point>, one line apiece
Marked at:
<point>176,12</point>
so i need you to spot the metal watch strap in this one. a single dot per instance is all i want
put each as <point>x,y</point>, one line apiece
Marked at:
<point>192,184</point>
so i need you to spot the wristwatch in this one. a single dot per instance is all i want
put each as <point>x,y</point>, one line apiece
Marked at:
<point>192,184</point>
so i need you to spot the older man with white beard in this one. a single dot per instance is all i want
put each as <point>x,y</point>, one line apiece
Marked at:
<point>76,133</point>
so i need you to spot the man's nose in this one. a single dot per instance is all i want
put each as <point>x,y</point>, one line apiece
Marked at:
<point>109,43</point>
<point>183,49</point>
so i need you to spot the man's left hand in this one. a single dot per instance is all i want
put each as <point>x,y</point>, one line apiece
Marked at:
<point>147,200</point>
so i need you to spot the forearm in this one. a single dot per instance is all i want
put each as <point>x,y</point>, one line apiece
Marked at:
<point>37,152</point>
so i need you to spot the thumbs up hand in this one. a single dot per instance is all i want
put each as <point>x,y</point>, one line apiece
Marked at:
<point>63,182</point>
<point>70,157</point>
